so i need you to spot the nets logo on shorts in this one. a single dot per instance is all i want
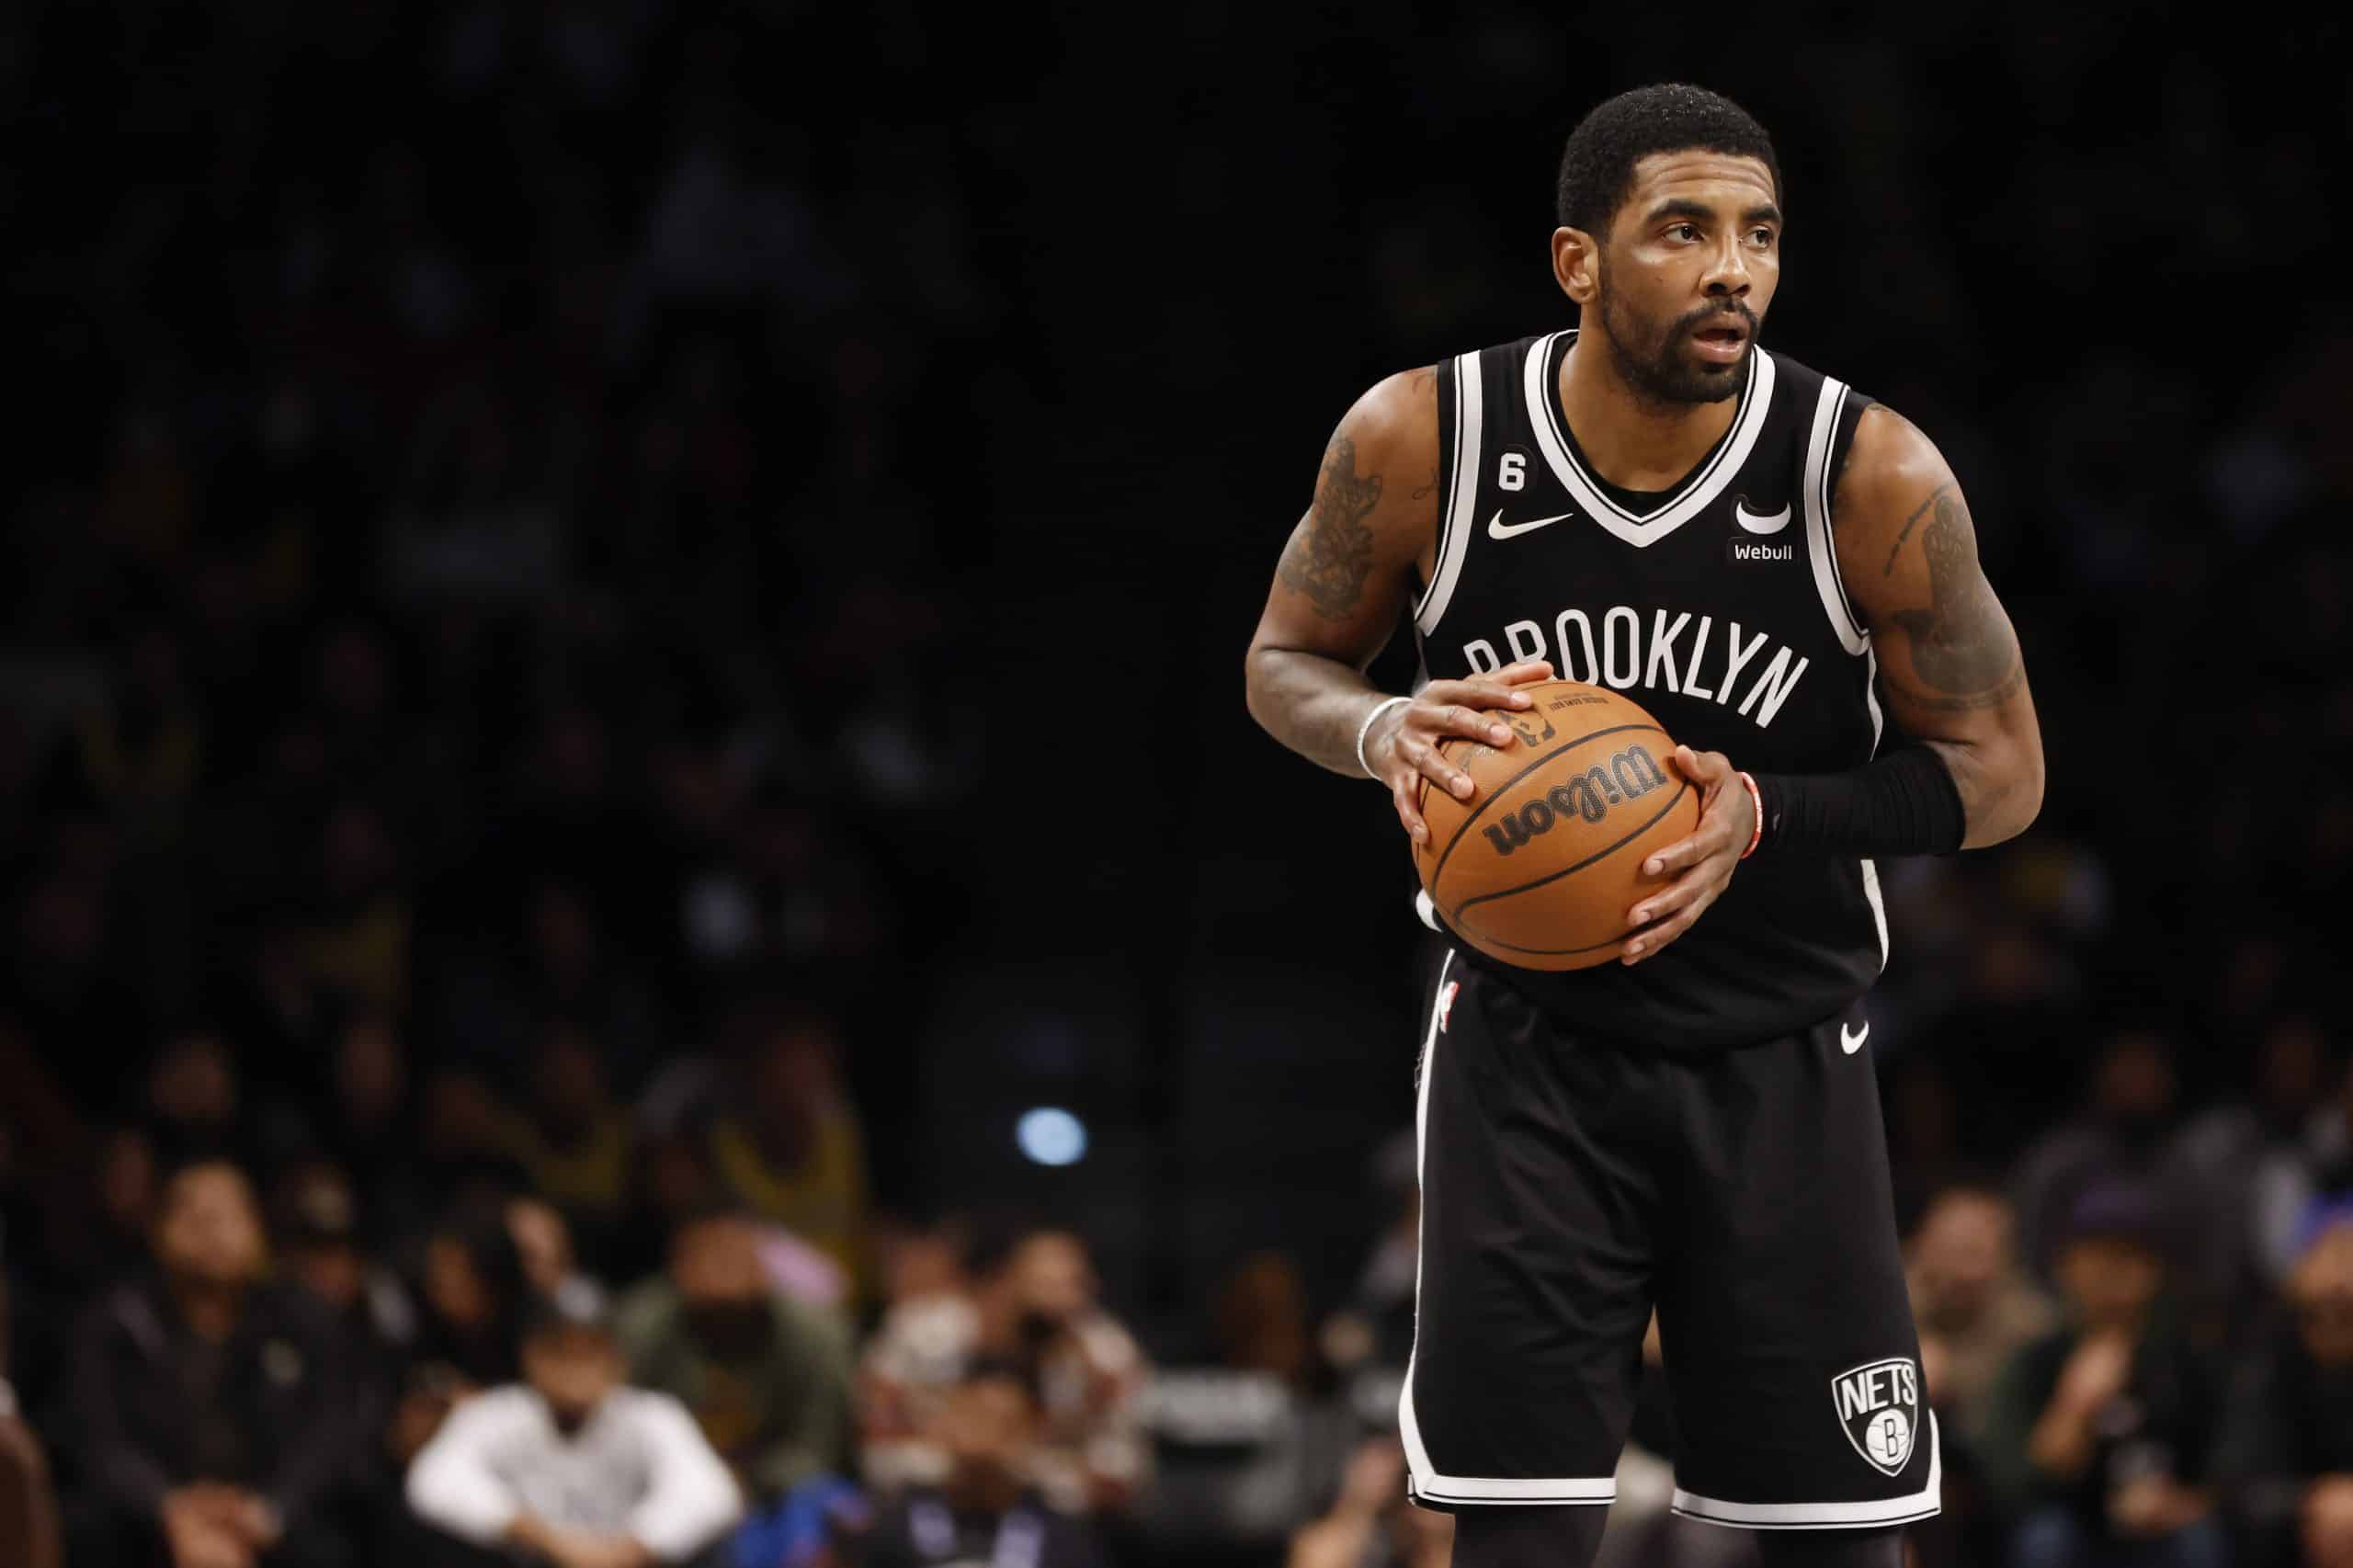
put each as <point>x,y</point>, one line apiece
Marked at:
<point>1878,1406</point>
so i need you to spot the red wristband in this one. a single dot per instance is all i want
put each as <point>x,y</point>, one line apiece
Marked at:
<point>1756,804</point>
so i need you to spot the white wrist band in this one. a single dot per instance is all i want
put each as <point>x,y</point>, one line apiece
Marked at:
<point>1366,728</point>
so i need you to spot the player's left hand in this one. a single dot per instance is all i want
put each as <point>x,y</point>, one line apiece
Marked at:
<point>1727,826</point>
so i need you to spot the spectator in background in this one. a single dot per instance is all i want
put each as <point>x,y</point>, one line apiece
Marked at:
<point>573,1142</point>
<point>2300,1175</point>
<point>2286,1455</point>
<point>194,1100</point>
<point>570,1467</point>
<point>982,1508</point>
<point>767,1378</point>
<point>792,1152</point>
<point>1371,1523</point>
<point>1243,1449</point>
<point>1034,1308</point>
<point>2098,1434</point>
<point>29,1530</point>
<point>2122,1131</point>
<point>2225,1152</point>
<point>471,1298</point>
<point>318,1241</point>
<point>543,1246</point>
<point>213,1411</point>
<point>370,1125</point>
<point>1975,1307</point>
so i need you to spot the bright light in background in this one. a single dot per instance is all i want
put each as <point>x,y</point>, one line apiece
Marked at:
<point>1052,1136</point>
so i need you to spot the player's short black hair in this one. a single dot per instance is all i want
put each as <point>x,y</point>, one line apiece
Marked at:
<point>1598,165</point>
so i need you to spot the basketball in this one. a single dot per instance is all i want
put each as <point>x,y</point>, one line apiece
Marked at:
<point>1539,866</point>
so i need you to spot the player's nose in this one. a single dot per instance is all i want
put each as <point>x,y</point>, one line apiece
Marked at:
<point>1727,269</point>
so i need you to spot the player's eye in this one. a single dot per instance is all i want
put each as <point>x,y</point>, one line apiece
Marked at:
<point>1763,238</point>
<point>1685,232</point>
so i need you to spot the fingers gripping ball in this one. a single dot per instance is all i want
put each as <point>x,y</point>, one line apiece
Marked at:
<point>1539,866</point>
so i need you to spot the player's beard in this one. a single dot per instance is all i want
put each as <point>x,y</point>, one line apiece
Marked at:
<point>1661,366</point>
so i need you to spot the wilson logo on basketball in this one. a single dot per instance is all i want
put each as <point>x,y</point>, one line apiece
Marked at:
<point>1628,776</point>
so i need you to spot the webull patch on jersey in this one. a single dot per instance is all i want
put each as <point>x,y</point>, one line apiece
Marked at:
<point>1878,1406</point>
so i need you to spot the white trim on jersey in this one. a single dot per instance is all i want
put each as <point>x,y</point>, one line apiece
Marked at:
<point>1457,525</point>
<point>1826,581</point>
<point>1879,907</point>
<point>1428,1483</point>
<point>1921,1505</point>
<point>1870,696</point>
<point>1642,531</point>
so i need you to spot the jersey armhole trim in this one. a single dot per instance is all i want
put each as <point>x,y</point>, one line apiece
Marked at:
<point>1819,468</point>
<point>1462,495</point>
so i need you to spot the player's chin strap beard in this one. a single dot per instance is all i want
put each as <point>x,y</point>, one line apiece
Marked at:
<point>1662,379</point>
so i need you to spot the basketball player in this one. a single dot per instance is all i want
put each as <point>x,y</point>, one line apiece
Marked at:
<point>1784,573</point>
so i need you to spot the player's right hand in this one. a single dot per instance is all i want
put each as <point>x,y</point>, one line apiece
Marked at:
<point>1401,747</point>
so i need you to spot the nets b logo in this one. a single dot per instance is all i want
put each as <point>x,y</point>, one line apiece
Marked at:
<point>1878,1406</point>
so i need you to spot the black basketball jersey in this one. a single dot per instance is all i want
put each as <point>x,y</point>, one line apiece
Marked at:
<point>1718,607</point>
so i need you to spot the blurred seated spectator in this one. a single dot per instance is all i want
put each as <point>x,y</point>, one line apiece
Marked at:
<point>193,1100</point>
<point>2224,1152</point>
<point>680,1185</point>
<point>470,1300</point>
<point>570,1467</point>
<point>370,1126</point>
<point>2124,1129</point>
<point>791,1150</point>
<point>2098,1434</point>
<point>1247,1447</point>
<point>1367,1341</point>
<point>2298,1178</point>
<point>358,937</point>
<point>1371,1523</point>
<point>213,1407</point>
<point>318,1244</point>
<point>543,1246</point>
<point>767,1378</point>
<point>573,1142</point>
<point>28,1530</point>
<point>914,1260</point>
<point>982,1508</point>
<point>1034,1307</point>
<point>2286,1456</point>
<point>1975,1307</point>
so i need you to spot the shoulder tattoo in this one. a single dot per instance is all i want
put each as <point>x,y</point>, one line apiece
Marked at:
<point>1329,559</point>
<point>1962,647</point>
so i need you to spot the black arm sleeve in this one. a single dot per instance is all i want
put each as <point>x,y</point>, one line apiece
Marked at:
<point>1902,803</point>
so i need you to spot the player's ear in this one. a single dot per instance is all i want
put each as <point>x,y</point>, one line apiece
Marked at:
<point>1576,263</point>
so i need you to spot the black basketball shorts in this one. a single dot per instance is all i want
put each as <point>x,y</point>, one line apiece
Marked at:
<point>1570,1186</point>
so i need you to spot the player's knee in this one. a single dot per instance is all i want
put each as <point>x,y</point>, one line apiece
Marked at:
<point>1831,1549</point>
<point>1550,1537</point>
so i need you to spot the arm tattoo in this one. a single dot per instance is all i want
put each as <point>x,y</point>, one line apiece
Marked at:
<point>1961,645</point>
<point>1423,494</point>
<point>1918,512</point>
<point>1330,561</point>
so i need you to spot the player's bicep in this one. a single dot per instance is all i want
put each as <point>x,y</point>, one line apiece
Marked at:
<point>1347,569</point>
<point>1948,657</point>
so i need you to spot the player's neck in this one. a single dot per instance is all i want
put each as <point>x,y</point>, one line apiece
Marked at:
<point>1631,440</point>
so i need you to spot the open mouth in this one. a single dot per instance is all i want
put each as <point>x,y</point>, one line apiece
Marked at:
<point>1721,343</point>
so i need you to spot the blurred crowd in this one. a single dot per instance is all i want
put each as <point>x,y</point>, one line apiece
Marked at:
<point>525,517</point>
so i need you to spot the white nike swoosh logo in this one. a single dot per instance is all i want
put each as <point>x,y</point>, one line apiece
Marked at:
<point>1497,528</point>
<point>1851,1043</point>
<point>1757,525</point>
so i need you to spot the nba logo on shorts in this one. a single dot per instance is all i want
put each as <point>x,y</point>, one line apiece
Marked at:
<point>1878,1406</point>
<point>1446,1004</point>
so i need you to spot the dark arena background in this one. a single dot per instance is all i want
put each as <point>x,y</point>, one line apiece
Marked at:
<point>623,733</point>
